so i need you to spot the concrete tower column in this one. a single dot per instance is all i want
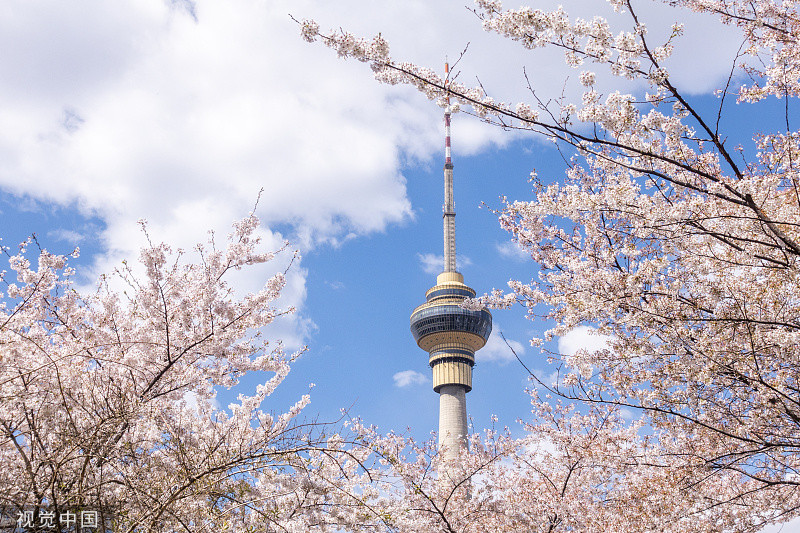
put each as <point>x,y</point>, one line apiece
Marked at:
<point>452,418</point>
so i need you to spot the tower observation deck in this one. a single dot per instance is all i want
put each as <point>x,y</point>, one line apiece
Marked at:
<point>450,334</point>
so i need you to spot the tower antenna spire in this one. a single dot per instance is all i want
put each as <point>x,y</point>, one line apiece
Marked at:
<point>449,208</point>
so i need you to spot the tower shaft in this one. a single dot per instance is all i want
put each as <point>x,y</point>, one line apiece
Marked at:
<point>452,417</point>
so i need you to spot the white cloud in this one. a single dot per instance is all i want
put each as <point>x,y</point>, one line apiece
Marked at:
<point>582,338</point>
<point>335,285</point>
<point>407,378</point>
<point>67,235</point>
<point>496,350</point>
<point>190,397</point>
<point>434,264</point>
<point>431,263</point>
<point>141,111</point>
<point>511,250</point>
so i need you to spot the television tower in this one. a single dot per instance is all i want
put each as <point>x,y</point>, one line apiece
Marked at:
<point>450,334</point>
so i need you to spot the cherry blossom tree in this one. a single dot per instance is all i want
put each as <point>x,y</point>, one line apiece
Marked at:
<point>678,246</point>
<point>587,471</point>
<point>108,401</point>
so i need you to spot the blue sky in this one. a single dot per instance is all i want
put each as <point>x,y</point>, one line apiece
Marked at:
<point>180,111</point>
